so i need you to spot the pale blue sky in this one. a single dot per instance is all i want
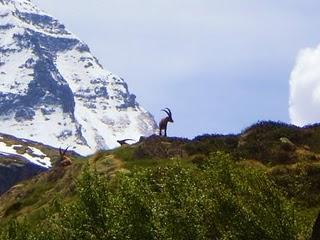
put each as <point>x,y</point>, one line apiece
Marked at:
<point>220,65</point>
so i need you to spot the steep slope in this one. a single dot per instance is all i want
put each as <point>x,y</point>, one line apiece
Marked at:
<point>53,90</point>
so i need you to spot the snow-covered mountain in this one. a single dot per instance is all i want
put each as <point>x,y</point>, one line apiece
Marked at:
<point>54,91</point>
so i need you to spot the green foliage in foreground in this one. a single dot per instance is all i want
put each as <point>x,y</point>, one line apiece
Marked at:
<point>217,200</point>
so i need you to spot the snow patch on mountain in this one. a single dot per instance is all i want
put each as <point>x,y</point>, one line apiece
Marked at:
<point>32,154</point>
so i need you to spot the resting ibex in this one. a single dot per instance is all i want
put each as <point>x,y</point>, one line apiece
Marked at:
<point>64,160</point>
<point>124,141</point>
<point>164,122</point>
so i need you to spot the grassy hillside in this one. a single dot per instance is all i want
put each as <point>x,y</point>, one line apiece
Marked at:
<point>261,184</point>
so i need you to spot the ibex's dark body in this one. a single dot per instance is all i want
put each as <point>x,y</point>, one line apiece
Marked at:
<point>124,141</point>
<point>164,122</point>
<point>64,160</point>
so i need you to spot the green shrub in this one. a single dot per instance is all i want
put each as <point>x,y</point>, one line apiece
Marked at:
<point>220,200</point>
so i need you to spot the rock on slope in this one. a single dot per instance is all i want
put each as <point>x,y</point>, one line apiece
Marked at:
<point>53,90</point>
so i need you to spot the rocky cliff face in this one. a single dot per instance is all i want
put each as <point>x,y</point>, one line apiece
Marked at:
<point>14,173</point>
<point>53,90</point>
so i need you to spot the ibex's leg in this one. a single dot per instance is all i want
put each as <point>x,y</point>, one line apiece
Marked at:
<point>160,132</point>
<point>165,132</point>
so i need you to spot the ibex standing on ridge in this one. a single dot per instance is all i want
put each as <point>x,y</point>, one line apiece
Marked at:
<point>64,160</point>
<point>164,122</point>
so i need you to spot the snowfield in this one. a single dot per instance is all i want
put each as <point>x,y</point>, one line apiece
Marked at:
<point>32,154</point>
<point>54,91</point>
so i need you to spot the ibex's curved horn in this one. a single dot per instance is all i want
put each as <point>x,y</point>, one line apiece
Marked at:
<point>169,111</point>
<point>166,111</point>
<point>64,152</point>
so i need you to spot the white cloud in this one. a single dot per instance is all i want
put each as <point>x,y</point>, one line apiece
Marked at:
<point>304,103</point>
